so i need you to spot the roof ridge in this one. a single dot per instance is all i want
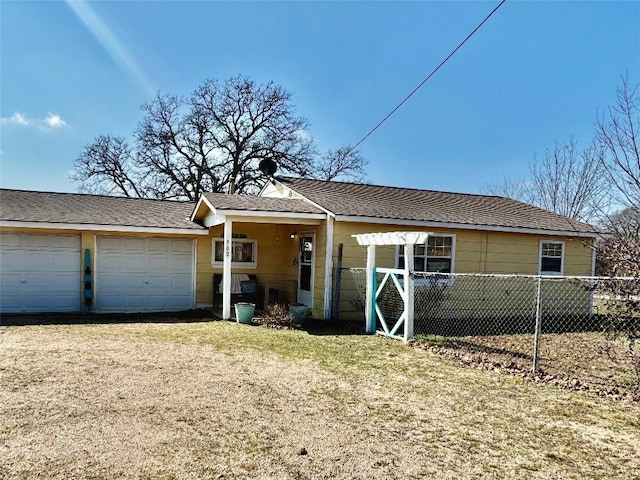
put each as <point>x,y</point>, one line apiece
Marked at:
<point>393,187</point>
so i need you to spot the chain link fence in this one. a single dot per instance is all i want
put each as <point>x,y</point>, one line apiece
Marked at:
<point>349,287</point>
<point>586,329</point>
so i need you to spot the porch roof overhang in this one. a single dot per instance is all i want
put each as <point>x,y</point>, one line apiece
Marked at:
<point>214,209</point>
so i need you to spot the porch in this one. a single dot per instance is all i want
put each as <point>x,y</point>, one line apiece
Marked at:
<point>276,247</point>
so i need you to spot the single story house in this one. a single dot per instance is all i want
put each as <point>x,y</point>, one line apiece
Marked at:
<point>153,255</point>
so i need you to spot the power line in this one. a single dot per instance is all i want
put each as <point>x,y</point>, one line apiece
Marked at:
<point>428,77</point>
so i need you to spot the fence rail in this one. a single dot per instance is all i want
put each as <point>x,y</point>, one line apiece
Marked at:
<point>583,328</point>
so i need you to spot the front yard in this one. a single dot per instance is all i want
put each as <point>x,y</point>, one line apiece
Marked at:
<point>220,400</point>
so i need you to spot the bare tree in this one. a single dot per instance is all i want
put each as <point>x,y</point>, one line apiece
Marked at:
<point>341,163</point>
<point>518,189</point>
<point>564,180</point>
<point>618,133</point>
<point>107,166</point>
<point>568,181</point>
<point>211,141</point>
<point>624,223</point>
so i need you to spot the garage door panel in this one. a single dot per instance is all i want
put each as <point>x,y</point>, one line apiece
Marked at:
<point>181,283</point>
<point>60,261</point>
<point>109,283</point>
<point>11,300</point>
<point>182,263</point>
<point>162,282</point>
<point>135,302</point>
<point>162,245</point>
<point>135,281</point>
<point>182,246</point>
<point>110,262</point>
<point>10,280</point>
<point>158,302</point>
<point>64,302</point>
<point>65,282</point>
<point>34,242</point>
<point>134,263</point>
<point>40,273</point>
<point>184,301</point>
<point>142,273</point>
<point>10,260</point>
<point>159,263</point>
<point>37,280</point>
<point>110,243</point>
<point>37,261</point>
<point>111,302</point>
<point>135,244</point>
<point>10,240</point>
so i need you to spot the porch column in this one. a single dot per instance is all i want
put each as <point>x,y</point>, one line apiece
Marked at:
<point>369,312</point>
<point>226,269</point>
<point>328,269</point>
<point>408,292</point>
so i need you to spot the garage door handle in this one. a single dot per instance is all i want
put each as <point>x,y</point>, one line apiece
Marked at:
<point>23,281</point>
<point>147,283</point>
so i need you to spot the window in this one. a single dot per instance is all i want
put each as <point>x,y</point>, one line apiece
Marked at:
<point>551,258</point>
<point>244,253</point>
<point>436,256</point>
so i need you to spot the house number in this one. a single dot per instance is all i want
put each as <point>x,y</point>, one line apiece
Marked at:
<point>227,248</point>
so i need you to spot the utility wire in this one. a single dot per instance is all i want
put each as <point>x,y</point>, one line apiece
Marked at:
<point>428,77</point>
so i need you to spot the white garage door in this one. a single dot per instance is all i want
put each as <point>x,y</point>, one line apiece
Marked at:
<point>137,274</point>
<point>40,273</point>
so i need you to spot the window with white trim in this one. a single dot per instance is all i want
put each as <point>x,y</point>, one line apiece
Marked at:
<point>436,256</point>
<point>244,253</point>
<point>551,258</point>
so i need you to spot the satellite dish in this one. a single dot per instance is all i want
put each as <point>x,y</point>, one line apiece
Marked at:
<point>268,167</point>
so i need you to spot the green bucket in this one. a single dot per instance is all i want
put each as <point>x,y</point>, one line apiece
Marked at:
<point>298,312</point>
<point>244,312</point>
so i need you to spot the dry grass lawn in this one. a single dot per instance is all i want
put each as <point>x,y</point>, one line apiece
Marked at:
<point>221,400</point>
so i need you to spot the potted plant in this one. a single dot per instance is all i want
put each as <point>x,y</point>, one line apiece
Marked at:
<point>244,312</point>
<point>298,312</point>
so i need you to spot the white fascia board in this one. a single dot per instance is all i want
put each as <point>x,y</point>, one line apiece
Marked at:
<point>202,200</point>
<point>213,220</point>
<point>391,238</point>
<point>464,226</point>
<point>302,197</point>
<point>102,228</point>
<point>254,213</point>
<point>246,216</point>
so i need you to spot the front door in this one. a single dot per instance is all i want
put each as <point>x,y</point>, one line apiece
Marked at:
<point>306,260</point>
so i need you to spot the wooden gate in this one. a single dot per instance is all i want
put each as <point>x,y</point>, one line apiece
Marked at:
<point>401,279</point>
<point>393,279</point>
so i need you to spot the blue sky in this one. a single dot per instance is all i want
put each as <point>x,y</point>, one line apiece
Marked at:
<point>535,73</point>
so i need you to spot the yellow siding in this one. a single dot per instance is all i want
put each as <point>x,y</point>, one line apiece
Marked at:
<point>476,251</point>
<point>277,261</point>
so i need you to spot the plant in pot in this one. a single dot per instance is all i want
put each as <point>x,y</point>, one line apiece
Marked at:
<point>298,312</point>
<point>244,312</point>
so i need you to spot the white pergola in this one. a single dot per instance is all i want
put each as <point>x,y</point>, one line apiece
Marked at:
<point>371,240</point>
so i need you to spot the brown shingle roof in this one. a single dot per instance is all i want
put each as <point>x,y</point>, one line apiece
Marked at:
<point>223,201</point>
<point>31,206</point>
<point>352,199</point>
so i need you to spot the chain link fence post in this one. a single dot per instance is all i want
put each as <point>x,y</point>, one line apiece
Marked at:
<point>538,328</point>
